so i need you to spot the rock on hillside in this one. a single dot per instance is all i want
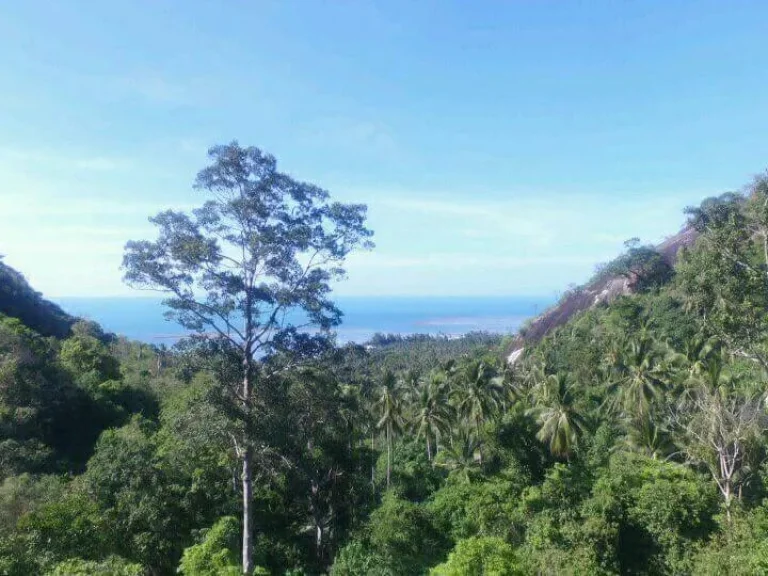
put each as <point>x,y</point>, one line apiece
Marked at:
<point>603,289</point>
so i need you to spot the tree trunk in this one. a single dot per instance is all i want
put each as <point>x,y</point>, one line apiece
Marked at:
<point>373,462</point>
<point>247,515</point>
<point>429,449</point>
<point>389,453</point>
<point>314,508</point>
<point>246,456</point>
<point>480,445</point>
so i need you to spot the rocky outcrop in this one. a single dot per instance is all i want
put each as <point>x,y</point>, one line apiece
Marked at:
<point>601,290</point>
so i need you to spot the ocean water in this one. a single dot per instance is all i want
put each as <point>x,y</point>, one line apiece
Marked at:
<point>142,318</point>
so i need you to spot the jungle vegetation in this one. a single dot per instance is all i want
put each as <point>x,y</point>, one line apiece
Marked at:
<point>631,440</point>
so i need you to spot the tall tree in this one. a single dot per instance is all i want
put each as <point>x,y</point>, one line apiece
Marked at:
<point>390,419</point>
<point>251,268</point>
<point>479,394</point>
<point>432,410</point>
<point>725,280</point>
<point>721,429</point>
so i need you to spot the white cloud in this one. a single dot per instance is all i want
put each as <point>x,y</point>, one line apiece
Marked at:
<point>349,134</point>
<point>99,164</point>
<point>482,219</point>
<point>542,220</point>
<point>40,205</point>
<point>157,89</point>
<point>613,239</point>
<point>459,260</point>
<point>42,159</point>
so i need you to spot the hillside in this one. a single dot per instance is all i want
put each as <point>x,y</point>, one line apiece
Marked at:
<point>605,288</point>
<point>19,300</point>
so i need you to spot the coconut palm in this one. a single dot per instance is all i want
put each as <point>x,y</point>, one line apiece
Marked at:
<point>561,424</point>
<point>512,390</point>
<point>697,355</point>
<point>613,356</point>
<point>712,378</point>
<point>529,375</point>
<point>639,377</point>
<point>409,384</point>
<point>462,456</point>
<point>478,392</point>
<point>349,410</point>
<point>390,414</point>
<point>432,412</point>
<point>649,435</point>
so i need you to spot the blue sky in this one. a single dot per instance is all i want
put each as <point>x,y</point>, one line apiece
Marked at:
<point>502,147</point>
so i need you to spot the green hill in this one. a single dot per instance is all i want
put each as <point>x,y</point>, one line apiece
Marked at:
<point>19,300</point>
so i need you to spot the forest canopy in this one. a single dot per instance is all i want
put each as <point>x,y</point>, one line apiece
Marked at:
<point>630,440</point>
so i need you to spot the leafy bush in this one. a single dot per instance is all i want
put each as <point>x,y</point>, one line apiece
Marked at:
<point>356,559</point>
<point>215,555</point>
<point>112,566</point>
<point>403,535</point>
<point>480,556</point>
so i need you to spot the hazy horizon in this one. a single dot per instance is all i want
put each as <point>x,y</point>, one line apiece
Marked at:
<point>142,318</point>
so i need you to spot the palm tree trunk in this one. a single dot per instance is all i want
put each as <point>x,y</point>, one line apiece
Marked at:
<point>480,445</point>
<point>389,452</point>
<point>429,449</point>
<point>373,462</point>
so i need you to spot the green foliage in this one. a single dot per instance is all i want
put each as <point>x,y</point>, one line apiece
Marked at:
<point>357,559</point>
<point>21,495</point>
<point>38,406</point>
<point>112,566</point>
<point>88,360</point>
<point>663,510</point>
<point>215,555</point>
<point>413,475</point>
<point>741,549</point>
<point>480,556</point>
<point>422,352</point>
<point>642,265</point>
<point>403,535</point>
<point>142,499</point>
<point>724,279</point>
<point>488,508</point>
<point>70,526</point>
<point>513,450</point>
<point>631,440</point>
<point>561,424</point>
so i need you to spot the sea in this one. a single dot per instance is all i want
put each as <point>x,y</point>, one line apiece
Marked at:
<point>141,318</point>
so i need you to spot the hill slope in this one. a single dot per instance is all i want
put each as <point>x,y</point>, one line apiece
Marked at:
<point>19,300</point>
<point>603,289</point>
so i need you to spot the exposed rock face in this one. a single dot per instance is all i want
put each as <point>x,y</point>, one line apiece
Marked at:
<point>603,290</point>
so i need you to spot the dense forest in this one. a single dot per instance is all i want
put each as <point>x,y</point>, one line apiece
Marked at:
<point>631,440</point>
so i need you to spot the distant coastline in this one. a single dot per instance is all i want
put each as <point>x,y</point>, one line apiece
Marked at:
<point>142,318</point>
